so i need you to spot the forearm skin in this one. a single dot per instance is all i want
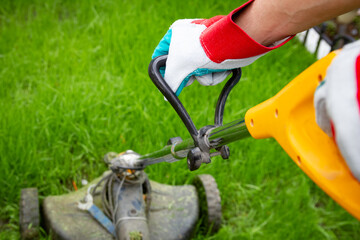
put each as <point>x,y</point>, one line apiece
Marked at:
<point>268,21</point>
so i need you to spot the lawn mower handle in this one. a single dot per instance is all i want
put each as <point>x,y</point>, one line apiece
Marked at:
<point>201,153</point>
<point>164,88</point>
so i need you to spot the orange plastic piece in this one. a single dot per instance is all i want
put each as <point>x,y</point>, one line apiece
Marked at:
<point>289,117</point>
<point>74,185</point>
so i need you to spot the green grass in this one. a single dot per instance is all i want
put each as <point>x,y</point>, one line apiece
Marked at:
<point>74,86</point>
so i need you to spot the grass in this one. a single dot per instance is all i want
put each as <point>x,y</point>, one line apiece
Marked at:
<point>74,86</point>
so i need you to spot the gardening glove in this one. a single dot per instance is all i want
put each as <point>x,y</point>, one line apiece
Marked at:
<point>206,49</point>
<point>337,105</point>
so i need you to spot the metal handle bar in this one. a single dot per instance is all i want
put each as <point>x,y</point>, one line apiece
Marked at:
<point>164,88</point>
<point>220,106</point>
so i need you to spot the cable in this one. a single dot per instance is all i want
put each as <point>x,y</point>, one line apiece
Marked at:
<point>110,192</point>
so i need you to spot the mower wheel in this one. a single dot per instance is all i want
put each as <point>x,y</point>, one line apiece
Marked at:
<point>209,202</point>
<point>29,215</point>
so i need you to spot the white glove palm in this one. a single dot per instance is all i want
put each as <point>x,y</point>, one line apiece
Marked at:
<point>337,105</point>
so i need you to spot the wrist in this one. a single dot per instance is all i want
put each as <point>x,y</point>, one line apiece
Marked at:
<point>225,40</point>
<point>263,27</point>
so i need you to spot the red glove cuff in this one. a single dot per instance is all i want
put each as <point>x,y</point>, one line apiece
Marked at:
<point>224,39</point>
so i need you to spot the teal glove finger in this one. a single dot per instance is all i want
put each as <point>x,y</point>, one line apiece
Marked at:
<point>163,46</point>
<point>163,49</point>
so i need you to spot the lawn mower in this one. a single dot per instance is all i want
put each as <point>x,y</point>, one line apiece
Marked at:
<point>125,204</point>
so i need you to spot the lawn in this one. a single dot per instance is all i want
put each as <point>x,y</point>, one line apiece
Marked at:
<point>74,86</point>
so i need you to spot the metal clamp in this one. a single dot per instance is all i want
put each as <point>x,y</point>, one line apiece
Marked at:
<point>173,153</point>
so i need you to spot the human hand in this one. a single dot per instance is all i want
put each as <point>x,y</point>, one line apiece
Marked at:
<point>206,49</point>
<point>337,105</point>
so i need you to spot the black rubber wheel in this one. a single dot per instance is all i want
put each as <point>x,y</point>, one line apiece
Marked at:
<point>209,202</point>
<point>29,215</point>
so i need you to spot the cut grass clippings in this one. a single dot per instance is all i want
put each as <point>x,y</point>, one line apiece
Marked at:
<point>74,86</point>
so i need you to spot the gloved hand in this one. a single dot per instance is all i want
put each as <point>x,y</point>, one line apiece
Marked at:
<point>206,49</point>
<point>337,105</point>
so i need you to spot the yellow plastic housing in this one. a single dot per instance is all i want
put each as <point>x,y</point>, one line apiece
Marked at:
<point>289,117</point>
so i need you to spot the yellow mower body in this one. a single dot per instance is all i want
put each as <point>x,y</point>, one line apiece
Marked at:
<point>289,117</point>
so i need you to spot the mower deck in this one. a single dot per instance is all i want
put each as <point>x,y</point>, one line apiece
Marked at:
<point>173,214</point>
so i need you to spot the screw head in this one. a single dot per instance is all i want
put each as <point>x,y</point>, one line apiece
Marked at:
<point>194,159</point>
<point>225,152</point>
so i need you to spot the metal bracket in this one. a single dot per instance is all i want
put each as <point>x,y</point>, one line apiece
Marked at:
<point>173,142</point>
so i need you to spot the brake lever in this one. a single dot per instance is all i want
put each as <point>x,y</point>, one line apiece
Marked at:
<point>201,153</point>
